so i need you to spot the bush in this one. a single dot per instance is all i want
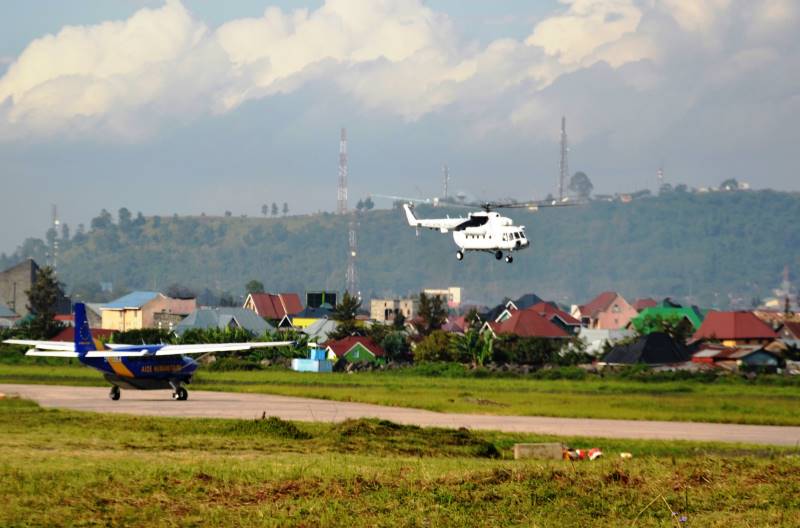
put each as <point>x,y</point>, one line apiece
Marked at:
<point>233,364</point>
<point>435,347</point>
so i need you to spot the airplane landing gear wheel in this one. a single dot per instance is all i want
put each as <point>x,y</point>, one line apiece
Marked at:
<point>498,255</point>
<point>459,255</point>
<point>509,259</point>
<point>114,393</point>
<point>180,394</point>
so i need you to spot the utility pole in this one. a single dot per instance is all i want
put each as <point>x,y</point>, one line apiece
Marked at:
<point>564,173</point>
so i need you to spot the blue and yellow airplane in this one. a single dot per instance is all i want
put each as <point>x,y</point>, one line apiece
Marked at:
<point>142,367</point>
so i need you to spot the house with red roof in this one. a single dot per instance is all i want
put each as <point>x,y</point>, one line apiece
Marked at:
<point>790,333</point>
<point>354,349</point>
<point>526,323</point>
<point>641,304</point>
<point>609,311</point>
<point>734,329</point>
<point>68,334</point>
<point>740,358</point>
<point>557,316</point>
<point>279,307</point>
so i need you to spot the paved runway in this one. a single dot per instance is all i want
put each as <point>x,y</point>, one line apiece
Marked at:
<point>240,405</point>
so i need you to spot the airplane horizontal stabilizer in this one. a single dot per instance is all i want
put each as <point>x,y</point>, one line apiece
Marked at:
<point>43,345</point>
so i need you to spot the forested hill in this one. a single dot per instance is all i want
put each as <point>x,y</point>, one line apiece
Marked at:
<point>705,247</point>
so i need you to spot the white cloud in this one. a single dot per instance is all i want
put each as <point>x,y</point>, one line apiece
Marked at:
<point>586,26</point>
<point>127,79</point>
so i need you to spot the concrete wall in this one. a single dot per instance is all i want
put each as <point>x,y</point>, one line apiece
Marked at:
<point>384,310</point>
<point>161,309</point>
<point>15,281</point>
<point>122,320</point>
<point>166,305</point>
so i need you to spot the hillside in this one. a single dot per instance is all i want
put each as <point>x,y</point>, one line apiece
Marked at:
<point>706,247</point>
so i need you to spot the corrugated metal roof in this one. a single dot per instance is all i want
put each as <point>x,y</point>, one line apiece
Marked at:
<point>734,325</point>
<point>222,317</point>
<point>135,299</point>
<point>5,311</point>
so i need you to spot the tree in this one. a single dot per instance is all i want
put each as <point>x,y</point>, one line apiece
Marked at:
<point>369,204</point>
<point>254,286</point>
<point>65,232</point>
<point>228,214</point>
<point>179,291</point>
<point>729,185</point>
<point>264,209</point>
<point>226,299</point>
<point>360,205</point>
<point>676,326</point>
<point>124,217</point>
<point>274,209</point>
<point>285,209</point>
<point>432,313</point>
<point>42,298</point>
<point>399,321</point>
<point>103,221</point>
<point>581,185</point>
<point>345,314</point>
<point>435,347</point>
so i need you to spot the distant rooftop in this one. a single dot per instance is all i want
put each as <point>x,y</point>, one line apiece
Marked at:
<point>135,299</point>
<point>5,311</point>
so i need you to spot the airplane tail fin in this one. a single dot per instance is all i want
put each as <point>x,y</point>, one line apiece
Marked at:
<point>83,334</point>
<point>412,220</point>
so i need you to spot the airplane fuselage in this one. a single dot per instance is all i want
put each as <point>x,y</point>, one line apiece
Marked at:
<point>144,373</point>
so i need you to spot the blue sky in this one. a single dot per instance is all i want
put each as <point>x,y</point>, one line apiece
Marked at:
<point>206,106</point>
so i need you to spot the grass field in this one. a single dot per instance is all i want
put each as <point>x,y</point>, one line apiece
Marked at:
<point>735,401</point>
<point>65,468</point>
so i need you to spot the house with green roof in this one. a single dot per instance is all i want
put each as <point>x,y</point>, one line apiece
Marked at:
<point>666,310</point>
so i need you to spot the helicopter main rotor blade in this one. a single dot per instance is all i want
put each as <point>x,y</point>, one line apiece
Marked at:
<point>533,206</point>
<point>403,198</point>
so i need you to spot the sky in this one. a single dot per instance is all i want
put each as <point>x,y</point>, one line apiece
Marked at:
<point>200,106</point>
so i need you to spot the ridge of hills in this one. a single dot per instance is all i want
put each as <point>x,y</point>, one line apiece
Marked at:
<point>717,249</point>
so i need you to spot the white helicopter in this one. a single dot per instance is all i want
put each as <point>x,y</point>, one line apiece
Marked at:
<point>484,230</point>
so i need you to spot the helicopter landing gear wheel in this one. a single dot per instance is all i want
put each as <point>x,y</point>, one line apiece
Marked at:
<point>180,394</point>
<point>114,393</point>
<point>509,259</point>
<point>498,255</point>
<point>459,255</point>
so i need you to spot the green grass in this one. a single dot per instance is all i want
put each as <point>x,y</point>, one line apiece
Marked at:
<point>67,468</point>
<point>725,401</point>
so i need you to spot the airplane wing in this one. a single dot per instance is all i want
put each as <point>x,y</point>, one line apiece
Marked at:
<point>65,346</point>
<point>442,225</point>
<point>176,350</point>
<point>52,353</point>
